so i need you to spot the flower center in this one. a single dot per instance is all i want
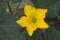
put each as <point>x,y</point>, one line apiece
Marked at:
<point>34,20</point>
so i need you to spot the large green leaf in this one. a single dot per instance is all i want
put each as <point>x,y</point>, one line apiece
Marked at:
<point>52,34</point>
<point>57,9</point>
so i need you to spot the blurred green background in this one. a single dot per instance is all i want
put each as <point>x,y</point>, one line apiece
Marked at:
<point>9,30</point>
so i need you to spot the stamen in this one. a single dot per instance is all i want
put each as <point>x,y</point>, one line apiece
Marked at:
<point>34,20</point>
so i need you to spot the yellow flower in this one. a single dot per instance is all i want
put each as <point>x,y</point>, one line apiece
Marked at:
<point>34,19</point>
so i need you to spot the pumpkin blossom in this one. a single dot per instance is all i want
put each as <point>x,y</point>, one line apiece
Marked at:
<point>34,19</point>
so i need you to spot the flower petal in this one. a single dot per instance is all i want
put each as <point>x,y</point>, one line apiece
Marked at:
<point>41,13</point>
<point>29,10</point>
<point>23,21</point>
<point>42,24</point>
<point>31,28</point>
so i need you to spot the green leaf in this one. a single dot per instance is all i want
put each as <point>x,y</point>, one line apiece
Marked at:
<point>52,34</point>
<point>57,9</point>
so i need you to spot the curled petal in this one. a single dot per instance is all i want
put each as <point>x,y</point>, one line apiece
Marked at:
<point>31,28</point>
<point>29,10</point>
<point>41,13</point>
<point>42,24</point>
<point>23,21</point>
